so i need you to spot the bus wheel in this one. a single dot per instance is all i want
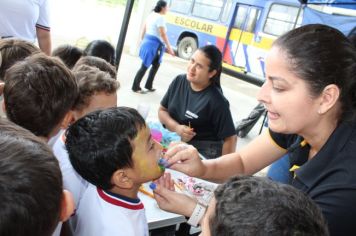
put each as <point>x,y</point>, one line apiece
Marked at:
<point>186,47</point>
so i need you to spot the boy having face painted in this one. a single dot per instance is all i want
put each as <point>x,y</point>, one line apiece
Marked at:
<point>114,151</point>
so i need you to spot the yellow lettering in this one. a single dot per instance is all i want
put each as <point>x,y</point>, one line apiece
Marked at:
<point>193,24</point>
<point>182,21</point>
<point>210,29</point>
<point>187,22</point>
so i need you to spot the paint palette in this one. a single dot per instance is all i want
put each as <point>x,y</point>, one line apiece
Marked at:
<point>195,187</point>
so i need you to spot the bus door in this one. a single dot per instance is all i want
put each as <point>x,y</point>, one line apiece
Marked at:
<point>238,49</point>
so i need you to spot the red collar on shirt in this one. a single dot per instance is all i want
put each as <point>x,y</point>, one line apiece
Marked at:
<point>116,200</point>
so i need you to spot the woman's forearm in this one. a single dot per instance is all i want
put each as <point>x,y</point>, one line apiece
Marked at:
<point>220,169</point>
<point>165,39</point>
<point>167,120</point>
<point>44,40</point>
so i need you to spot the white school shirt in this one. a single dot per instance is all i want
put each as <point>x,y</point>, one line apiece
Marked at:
<point>107,214</point>
<point>72,181</point>
<point>19,18</point>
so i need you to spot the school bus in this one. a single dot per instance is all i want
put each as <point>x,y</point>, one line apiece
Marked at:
<point>244,30</point>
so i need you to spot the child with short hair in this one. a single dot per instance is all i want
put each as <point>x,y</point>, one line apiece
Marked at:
<point>114,151</point>
<point>69,54</point>
<point>14,50</point>
<point>97,62</point>
<point>250,205</point>
<point>32,200</point>
<point>102,49</point>
<point>38,93</point>
<point>97,90</point>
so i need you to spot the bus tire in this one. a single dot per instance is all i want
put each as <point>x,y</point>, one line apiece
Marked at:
<point>186,47</point>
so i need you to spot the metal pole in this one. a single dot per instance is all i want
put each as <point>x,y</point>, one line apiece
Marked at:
<point>123,31</point>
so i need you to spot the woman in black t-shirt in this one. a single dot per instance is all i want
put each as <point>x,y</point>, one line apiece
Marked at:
<point>195,108</point>
<point>310,96</point>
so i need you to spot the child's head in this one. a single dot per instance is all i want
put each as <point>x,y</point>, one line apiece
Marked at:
<point>38,93</point>
<point>68,54</point>
<point>102,49</point>
<point>97,90</point>
<point>32,200</point>
<point>13,50</point>
<point>249,205</point>
<point>113,149</point>
<point>97,62</point>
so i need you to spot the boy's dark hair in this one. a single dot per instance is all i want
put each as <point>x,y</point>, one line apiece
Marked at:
<point>100,143</point>
<point>102,49</point>
<point>30,183</point>
<point>97,62</point>
<point>68,54</point>
<point>38,93</point>
<point>90,81</point>
<point>248,205</point>
<point>13,50</point>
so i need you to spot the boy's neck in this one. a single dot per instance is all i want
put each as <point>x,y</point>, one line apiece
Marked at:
<point>130,193</point>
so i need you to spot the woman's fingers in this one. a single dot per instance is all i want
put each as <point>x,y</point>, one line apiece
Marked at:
<point>177,153</point>
<point>173,201</point>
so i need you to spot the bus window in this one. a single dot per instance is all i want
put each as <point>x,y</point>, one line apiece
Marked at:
<point>252,19</point>
<point>209,9</point>
<point>181,6</point>
<point>226,12</point>
<point>241,17</point>
<point>280,19</point>
<point>247,18</point>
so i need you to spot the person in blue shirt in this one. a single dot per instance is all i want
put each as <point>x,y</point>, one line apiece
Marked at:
<point>154,42</point>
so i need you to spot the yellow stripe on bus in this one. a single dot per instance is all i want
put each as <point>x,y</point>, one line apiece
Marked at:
<point>233,68</point>
<point>194,24</point>
<point>217,30</point>
<point>248,39</point>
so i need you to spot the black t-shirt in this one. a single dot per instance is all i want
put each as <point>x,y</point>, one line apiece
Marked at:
<point>206,111</point>
<point>329,178</point>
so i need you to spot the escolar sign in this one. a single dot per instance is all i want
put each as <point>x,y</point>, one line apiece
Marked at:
<point>194,24</point>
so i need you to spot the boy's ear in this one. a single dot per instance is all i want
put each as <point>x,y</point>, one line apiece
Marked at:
<point>67,205</point>
<point>121,179</point>
<point>67,120</point>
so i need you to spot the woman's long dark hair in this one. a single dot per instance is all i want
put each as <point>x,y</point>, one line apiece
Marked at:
<point>215,57</point>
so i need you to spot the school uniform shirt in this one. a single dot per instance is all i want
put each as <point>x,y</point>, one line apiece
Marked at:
<point>206,111</point>
<point>107,214</point>
<point>19,18</point>
<point>329,178</point>
<point>72,181</point>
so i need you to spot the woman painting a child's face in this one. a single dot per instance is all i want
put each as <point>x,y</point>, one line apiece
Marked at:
<point>291,106</point>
